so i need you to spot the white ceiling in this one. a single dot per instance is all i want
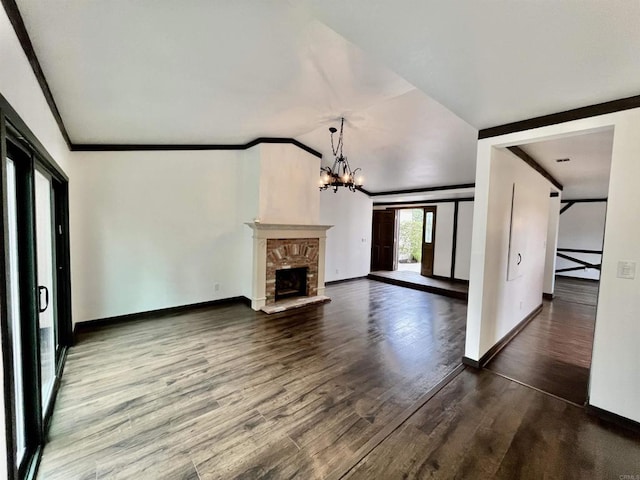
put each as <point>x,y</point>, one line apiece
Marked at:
<point>161,71</point>
<point>586,175</point>
<point>499,61</point>
<point>214,71</point>
<point>404,142</point>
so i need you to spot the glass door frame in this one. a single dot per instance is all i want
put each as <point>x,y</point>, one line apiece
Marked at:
<point>16,138</point>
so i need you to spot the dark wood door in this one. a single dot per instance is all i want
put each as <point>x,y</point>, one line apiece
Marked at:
<point>428,241</point>
<point>382,239</point>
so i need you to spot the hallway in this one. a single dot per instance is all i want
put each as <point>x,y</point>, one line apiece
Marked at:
<point>553,352</point>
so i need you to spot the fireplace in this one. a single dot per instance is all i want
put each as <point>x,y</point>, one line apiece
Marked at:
<point>278,247</point>
<point>291,282</point>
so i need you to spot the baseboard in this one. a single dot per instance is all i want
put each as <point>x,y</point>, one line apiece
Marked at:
<point>91,325</point>
<point>471,362</point>
<point>614,418</point>
<point>547,296</point>
<point>334,282</point>
<point>503,342</point>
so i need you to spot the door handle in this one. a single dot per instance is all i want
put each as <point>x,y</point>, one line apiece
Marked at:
<point>519,259</point>
<point>46,298</point>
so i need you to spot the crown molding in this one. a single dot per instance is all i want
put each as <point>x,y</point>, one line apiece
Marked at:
<point>132,147</point>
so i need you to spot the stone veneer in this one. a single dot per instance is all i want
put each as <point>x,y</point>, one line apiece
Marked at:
<point>292,253</point>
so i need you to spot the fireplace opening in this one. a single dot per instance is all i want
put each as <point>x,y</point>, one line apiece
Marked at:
<point>291,282</point>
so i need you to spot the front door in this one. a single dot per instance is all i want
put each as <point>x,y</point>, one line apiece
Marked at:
<point>428,241</point>
<point>382,240</point>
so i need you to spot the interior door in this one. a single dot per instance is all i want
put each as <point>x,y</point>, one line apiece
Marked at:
<point>428,241</point>
<point>382,240</point>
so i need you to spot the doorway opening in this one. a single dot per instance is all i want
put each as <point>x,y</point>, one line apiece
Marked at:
<point>416,229</point>
<point>553,352</point>
<point>403,239</point>
<point>410,227</point>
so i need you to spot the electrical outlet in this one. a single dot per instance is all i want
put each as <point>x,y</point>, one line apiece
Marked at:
<point>216,287</point>
<point>520,305</point>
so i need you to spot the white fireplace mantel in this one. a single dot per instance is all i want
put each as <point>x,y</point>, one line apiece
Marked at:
<point>283,230</point>
<point>264,231</point>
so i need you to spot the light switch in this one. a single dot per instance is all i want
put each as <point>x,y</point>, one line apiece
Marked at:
<point>626,269</point>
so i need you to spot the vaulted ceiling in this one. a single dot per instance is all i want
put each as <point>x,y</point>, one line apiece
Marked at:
<point>414,79</point>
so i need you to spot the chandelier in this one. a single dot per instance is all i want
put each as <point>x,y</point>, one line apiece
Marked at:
<point>340,175</point>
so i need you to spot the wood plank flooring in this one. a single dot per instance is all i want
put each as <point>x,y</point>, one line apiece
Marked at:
<point>576,290</point>
<point>482,426</point>
<point>325,391</point>
<point>226,392</point>
<point>553,352</point>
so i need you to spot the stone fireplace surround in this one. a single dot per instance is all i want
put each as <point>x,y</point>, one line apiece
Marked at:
<point>277,246</point>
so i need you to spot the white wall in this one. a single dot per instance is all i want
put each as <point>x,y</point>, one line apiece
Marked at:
<point>463,245</point>
<point>248,199</point>
<point>152,230</point>
<point>615,383</point>
<point>552,242</point>
<point>20,88</point>
<point>444,239</point>
<point>582,227</point>
<point>348,253</point>
<point>496,305</point>
<point>288,185</point>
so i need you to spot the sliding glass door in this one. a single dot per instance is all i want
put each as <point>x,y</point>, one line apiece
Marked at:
<point>35,316</point>
<point>46,284</point>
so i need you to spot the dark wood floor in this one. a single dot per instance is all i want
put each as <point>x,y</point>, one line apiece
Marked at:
<point>482,426</point>
<point>228,392</point>
<point>553,352</point>
<point>409,279</point>
<point>576,290</point>
<point>344,388</point>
